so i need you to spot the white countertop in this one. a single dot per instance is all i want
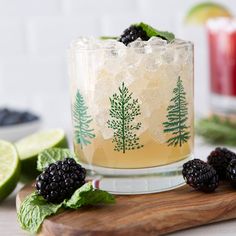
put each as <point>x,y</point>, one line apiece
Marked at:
<point>10,227</point>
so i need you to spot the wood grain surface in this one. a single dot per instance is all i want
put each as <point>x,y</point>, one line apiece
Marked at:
<point>153,214</point>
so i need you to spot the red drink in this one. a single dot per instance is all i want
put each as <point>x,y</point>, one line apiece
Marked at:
<point>222,53</point>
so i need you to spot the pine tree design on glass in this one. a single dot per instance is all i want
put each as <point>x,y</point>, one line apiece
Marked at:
<point>123,111</point>
<point>177,117</point>
<point>83,132</point>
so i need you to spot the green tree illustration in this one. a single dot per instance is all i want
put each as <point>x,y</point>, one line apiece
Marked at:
<point>177,117</point>
<point>123,111</point>
<point>83,133</point>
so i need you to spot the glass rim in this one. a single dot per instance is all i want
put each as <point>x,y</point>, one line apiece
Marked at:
<point>222,23</point>
<point>75,45</point>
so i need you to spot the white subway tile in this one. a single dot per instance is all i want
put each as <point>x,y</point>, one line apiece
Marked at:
<point>12,37</point>
<point>115,25</point>
<point>34,74</point>
<point>1,84</point>
<point>160,15</point>
<point>99,8</point>
<point>55,109</point>
<point>54,35</point>
<point>24,8</point>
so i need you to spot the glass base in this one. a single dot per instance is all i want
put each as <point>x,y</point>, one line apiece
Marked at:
<point>138,181</point>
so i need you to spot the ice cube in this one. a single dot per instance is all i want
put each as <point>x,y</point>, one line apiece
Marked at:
<point>156,41</point>
<point>155,128</point>
<point>107,133</point>
<point>81,42</point>
<point>138,43</point>
<point>152,62</point>
<point>138,46</point>
<point>158,134</point>
<point>114,56</point>
<point>168,56</point>
<point>86,43</point>
<point>101,120</point>
<point>114,48</point>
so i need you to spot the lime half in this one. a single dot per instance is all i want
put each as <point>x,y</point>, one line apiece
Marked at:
<point>201,12</point>
<point>29,147</point>
<point>9,168</point>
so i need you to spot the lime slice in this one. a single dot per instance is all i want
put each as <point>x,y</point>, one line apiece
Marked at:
<point>29,147</point>
<point>200,13</point>
<point>9,168</point>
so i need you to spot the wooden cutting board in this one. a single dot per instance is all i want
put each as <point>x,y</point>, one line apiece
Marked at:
<point>153,214</point>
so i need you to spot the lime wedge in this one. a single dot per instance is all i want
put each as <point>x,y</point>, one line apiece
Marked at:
<point>29,147</point>
<point>200,13</point>
<point>9,169</point>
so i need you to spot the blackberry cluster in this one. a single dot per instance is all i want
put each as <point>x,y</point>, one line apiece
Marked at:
<point>219,159</point>
<point>231,173</point>
<point>200,175</point>
<point>13,117</point>
<point>60,180</point>
<point>132,33</point>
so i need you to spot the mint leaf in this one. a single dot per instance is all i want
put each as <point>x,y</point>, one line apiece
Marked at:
<point>33,210</point>
<point>87,195</point>
<point>150,31</point>
<point>108,37</point>
<point>52,155</point>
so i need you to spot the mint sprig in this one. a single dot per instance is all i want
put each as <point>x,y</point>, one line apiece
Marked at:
<point>87,195</point>
<point>34,209</point>
<point>152,32</point>
<point>52,155</point>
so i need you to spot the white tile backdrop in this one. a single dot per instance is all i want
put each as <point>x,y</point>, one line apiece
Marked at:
<point>34,36</point>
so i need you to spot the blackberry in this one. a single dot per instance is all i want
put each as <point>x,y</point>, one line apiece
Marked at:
<point>219,159</point>
<point>60,180</point>
<point>231,172</point>
<point>132,33</point>
<point>200,175</point>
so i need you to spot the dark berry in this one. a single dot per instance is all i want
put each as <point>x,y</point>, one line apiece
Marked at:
<point>56,178</point>
<point>219,159</point>
<point>12,117</point>
<point>39,184</point>
<point>58,182</point>
<point>70,161</point>
<point>231,172</point>
<point>52,167</point>
<point>65,167</point>
<point>27,117</point>
<point>132,33</point>
<point>200,175</point>
<point>53,185</point>
<point>43,176</point>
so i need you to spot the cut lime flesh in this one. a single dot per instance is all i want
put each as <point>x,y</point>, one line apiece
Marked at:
<point>200,13</point>
<point>29,148</point>
<point>9,168</point>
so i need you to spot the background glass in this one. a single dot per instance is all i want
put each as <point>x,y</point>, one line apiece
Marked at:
<point>222,52</point>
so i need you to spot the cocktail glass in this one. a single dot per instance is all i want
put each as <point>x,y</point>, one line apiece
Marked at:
<point>132,110</point>
<point>222,51</point>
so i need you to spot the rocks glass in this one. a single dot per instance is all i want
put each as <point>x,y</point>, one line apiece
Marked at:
<point>132,111</point>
